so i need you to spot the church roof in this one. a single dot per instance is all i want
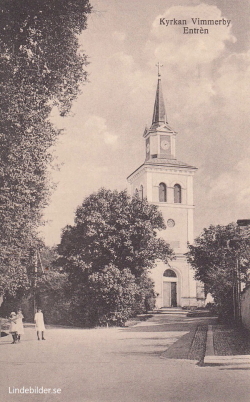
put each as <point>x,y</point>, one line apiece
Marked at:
<point>172,163</point>
<point>169,163</point>
<point>164,127</point>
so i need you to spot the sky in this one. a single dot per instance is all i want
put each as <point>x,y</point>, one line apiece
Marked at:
<point>205,79</point>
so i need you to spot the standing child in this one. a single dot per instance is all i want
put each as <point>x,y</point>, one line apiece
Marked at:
<point>39,324</point>
<point>13,326</point>
<point>19,321</point>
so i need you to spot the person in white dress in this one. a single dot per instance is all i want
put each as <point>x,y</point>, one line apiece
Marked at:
<point>19,321</point>
<point>39,321</point>
<point>13,326</point>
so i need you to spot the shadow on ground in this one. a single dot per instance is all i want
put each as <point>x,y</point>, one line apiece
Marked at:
<point>191,345</point>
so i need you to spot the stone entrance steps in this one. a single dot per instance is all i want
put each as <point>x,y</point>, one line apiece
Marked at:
<point>171,310</point>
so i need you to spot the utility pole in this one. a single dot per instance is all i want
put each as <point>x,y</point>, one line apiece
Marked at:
<point>37,264</point>
<point>35,281</point>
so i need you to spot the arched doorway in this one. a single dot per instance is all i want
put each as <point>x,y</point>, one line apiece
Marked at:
<point>169,288</point>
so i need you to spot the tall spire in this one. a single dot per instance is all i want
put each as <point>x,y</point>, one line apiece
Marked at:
<point>159,115</point>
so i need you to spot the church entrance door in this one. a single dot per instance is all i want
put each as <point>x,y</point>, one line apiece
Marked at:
<point>169,288</point>
<point>169,294</point>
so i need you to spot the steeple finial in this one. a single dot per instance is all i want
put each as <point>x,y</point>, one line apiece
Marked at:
<point>158,65</point>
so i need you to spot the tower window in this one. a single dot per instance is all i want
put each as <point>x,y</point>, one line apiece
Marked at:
<point>162,192</point>
<point>169,273</point>
<point>177,193</point>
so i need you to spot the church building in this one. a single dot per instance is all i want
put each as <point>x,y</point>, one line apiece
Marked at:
<point>168,183</point>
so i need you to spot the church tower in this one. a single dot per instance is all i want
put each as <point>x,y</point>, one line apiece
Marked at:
<point>168,183</point>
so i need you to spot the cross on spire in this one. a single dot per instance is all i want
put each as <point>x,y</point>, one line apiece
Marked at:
<point>158,65</point>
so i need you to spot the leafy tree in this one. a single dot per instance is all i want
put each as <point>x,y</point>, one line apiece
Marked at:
<point>112,230</point>
<point>51,296</point>
<point>145,295</point>
<point>46,287</point>
<point>219,256</point>
<point>41,67</point>
<point>111,295</point>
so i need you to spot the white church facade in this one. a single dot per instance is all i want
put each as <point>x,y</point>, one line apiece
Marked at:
<point>168,183</point>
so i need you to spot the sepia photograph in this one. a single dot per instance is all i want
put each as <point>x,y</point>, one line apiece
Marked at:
<point>125,201</point>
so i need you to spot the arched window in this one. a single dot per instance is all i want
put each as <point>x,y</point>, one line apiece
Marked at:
<point>169,273</point>
<point>141,192</point>
<point>177,193</point>
<point>162,192</point>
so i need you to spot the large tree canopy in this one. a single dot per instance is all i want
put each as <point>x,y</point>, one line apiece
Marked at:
<point>40,67</point>
<point>220,258</point>
<point>107,254</point>
<point>112,228</point>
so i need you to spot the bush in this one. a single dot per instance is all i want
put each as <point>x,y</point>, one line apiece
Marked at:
<point>110,298</point>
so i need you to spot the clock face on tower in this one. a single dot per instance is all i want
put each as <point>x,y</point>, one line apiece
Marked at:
<point>165,144</point>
